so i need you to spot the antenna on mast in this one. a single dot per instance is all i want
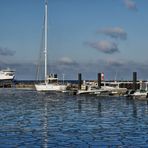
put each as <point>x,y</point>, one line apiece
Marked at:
<point>46,2</point>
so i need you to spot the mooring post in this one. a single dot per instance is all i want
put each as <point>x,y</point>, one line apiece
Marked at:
<point>134,80</point>
<point>79,80</point>
<point>99,80</point>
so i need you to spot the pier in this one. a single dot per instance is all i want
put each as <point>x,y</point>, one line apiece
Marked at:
<point>97,87</point>
<point>75,83</point>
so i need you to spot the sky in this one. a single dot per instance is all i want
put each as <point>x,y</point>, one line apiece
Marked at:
<point>84,36</point>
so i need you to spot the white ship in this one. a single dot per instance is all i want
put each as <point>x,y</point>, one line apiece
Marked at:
<point>51,81</point>
<point>7,74</point>
<point>51,84</point>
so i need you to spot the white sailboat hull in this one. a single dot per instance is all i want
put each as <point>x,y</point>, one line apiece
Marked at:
<point>50,87</point>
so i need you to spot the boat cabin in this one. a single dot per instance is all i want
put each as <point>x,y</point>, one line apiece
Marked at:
<point>52,78</point>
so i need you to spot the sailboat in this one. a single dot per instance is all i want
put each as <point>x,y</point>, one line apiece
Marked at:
<point>51,81</point>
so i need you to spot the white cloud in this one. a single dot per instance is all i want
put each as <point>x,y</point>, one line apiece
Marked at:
<point>104,46</point>
<point>116,32</point>
<point>66,60</point>
<point>130,4</point>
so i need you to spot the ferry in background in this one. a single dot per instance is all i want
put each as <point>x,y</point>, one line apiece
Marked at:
<point>7,74</point>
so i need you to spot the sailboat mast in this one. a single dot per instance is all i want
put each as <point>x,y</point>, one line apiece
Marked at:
<point>46,30</point>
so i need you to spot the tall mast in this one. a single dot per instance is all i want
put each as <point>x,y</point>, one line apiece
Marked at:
<point>46,30</point>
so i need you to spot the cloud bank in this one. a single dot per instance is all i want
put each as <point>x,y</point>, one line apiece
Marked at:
<point>64,61</point>
<point>6,52</point>
<point>117,33</point>
<point>104,46</point>
<point>122,69</point>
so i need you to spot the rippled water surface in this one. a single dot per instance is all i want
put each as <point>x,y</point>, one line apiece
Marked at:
<point>31,119</point>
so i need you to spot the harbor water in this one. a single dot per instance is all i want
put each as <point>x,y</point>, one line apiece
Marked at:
<point>32,119</point>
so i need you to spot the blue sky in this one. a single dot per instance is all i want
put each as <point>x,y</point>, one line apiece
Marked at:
<point>87,36</point>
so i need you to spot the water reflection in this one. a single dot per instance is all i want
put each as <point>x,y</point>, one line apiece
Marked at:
<point>56,120</point>
<point>99,108</point>
<point>134,109</point>
<point>137,108</point>
<point>79,105</point>
<point>45,126</point>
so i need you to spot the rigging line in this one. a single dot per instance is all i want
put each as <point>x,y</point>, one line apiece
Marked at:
<point>39,64</point>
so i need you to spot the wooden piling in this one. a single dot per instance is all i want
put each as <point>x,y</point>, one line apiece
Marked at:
<point>79,80</point>
<point>134,80</point>
<point>99,80</point>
